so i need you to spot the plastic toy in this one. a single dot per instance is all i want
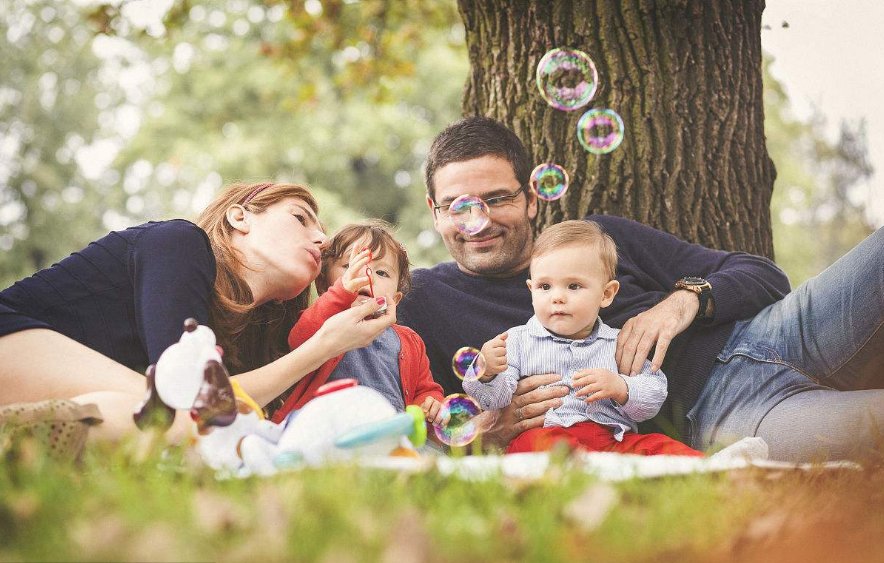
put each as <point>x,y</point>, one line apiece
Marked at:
<point>343,421</point>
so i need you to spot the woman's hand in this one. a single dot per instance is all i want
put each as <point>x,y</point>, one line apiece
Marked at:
<point>351,329</point>
<point>527,409</point>
<point>340,333</point>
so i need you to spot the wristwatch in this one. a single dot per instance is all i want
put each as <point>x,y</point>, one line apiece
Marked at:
<point>701,287</point>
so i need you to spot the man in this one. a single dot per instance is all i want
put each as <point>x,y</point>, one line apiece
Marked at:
<point>743,358</point>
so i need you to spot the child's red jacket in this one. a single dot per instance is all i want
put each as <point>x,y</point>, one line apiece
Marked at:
<point>414,367</point>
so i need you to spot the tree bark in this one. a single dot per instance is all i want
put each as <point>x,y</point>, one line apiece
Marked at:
<point>685,76</point>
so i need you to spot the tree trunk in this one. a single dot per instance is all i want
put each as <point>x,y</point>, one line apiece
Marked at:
<point>685,76</point>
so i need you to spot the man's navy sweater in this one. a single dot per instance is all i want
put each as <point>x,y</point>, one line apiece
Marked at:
<point>450,309</point>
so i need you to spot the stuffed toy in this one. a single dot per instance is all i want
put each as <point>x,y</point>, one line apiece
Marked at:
<point>343,421</point>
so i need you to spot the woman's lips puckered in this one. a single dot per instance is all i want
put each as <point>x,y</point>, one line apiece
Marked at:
<point>317,256</point>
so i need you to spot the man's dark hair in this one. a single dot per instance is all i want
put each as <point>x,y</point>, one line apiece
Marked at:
<point>475,137</point>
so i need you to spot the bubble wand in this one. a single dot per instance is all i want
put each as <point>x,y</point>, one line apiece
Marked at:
<point>383,308</point>
<point>370,285</point>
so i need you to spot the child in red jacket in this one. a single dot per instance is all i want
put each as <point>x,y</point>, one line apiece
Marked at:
<point>364,261</point>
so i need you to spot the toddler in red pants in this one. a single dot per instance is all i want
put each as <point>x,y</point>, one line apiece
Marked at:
<point>572,276</point>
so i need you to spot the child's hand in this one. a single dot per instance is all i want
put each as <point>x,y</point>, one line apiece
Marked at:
<point>432,408</point>
<point>599,383</point>
<point>494,352</point>
<point>355,276</point>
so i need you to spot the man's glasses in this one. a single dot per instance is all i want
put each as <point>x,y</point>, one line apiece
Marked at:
<point>496,202</point>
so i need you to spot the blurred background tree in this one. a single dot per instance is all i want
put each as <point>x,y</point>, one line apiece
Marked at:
<point>816,209</point>
<point>152,113</point>
<point>58,104</point>
<point>684,76</point>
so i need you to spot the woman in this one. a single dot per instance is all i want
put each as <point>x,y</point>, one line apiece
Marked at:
<point>81,328</point>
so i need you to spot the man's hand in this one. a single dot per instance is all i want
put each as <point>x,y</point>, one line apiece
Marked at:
<point>598,383</point>
<point>494,352</point>
<point>355,277</point>
<point>527,409</point>
<point>655,327</point>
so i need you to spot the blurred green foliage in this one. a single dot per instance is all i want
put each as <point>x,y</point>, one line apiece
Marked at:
<point>344,96</point>
<point>816,209</point>
<point>57,103</point>
<point>139,501</point>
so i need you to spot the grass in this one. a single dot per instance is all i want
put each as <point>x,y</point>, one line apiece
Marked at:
<point>135,503</point>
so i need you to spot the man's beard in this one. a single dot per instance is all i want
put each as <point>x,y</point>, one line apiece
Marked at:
<point>495,262</point>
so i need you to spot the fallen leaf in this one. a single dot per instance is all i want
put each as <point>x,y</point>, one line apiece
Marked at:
<point>24,505</point>
<point>97,537</point>
<point>409,540</point>
<point>157,542</point>
<point>590,509</point>
<point>337,555</point>
<point>766,527</point>
<point>214,513</point>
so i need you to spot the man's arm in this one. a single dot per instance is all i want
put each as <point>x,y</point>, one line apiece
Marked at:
<point>742,285</point>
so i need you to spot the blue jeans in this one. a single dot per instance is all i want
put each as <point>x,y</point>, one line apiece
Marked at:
<point>807,373</point>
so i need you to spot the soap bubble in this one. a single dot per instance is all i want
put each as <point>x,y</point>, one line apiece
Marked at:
<point>461,428</point>
<point>469,214</point>
<point>468,364</point>
<point>600,131</point>
<point>549,181</point>
<point>567,79</point>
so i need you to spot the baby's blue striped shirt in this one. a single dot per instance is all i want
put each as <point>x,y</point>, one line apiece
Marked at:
<point>532,350</point>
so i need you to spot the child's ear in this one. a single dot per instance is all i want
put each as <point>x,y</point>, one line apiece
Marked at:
<point>528,283</point>
<point>236,217</point>
<point>611,289</point>
<point>397,297</point>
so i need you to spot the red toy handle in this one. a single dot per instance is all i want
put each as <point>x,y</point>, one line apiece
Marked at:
<point>336,385</point>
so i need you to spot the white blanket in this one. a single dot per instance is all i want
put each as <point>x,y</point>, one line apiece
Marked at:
<point>605,466</point>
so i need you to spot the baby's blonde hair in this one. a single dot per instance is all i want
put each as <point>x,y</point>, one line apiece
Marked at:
<point>587,234</point>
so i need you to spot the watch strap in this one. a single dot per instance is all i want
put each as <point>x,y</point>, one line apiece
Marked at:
<point>702,288</point>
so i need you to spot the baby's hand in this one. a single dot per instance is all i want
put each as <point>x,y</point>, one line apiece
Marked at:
<point>432,408</point>
<point>599,383</point>
<point>355,277</point>
<point>494,352</point>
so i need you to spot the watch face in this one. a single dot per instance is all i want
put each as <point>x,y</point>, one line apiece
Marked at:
<point>693,280</point>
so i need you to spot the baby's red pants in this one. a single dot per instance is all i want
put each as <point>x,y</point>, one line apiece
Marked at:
<point>592,437</point>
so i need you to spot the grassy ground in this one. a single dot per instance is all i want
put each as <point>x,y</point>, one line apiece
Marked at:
<point>131,503</point>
